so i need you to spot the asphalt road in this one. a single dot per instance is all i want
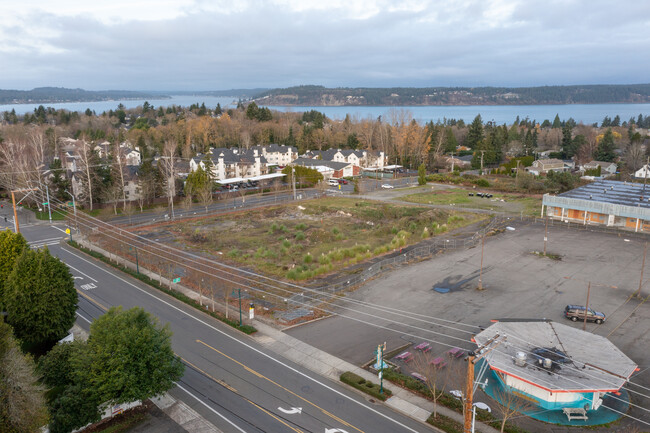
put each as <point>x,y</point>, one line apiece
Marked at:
<point>233,382</point>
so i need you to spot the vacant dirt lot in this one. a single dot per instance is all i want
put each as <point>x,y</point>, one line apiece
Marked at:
<point>313,238</point>
<point>518,284</point>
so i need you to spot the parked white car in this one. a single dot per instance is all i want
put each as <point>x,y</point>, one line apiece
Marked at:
<point>387,186</point>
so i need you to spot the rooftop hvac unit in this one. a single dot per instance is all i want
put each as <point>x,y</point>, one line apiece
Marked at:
<point>547,363</point>
<point>520,359</point>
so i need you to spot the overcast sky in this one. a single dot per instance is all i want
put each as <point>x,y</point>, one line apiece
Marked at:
<point>217,44</point>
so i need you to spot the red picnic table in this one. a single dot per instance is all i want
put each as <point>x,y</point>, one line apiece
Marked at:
<point>438,362</point>
<point>405,356</point>
<point>419,377</point>
<point>456,352</point>
<point>424,347</point>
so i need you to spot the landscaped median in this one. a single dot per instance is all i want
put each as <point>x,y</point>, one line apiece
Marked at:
<point>364,385</point>
<point>247,329</point>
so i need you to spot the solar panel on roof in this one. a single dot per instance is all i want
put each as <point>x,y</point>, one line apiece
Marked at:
<point>614,192</point>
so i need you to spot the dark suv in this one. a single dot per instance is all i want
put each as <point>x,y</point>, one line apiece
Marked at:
<point>578,312</point>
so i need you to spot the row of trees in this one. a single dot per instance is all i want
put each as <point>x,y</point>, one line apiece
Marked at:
<point>176,132</point>
<point>127,357</point>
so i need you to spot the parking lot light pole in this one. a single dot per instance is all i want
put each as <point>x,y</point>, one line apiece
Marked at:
<point>584,323</point>
<point>645,252</point>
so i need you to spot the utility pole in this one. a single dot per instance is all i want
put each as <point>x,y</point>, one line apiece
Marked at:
<point>645,251</point>
<point>74,207</point>
<point>480,275</point>
<point>482,152</point>
<point>13,202</point>
<point>49,208</point>
<point>471,359</point>
<point>240,322</point>
<point>16,225</point>
<point>584,323</point>
<point>546,233</point>
<point>293,181</point>
<point>452,161</point>
<point>469,393</point>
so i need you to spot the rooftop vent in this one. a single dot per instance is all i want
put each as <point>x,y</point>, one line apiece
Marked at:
<point>547,363</point>
<point>520,359</point>
<point>612,187</point>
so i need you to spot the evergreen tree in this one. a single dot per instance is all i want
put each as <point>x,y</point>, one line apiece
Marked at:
<point>218,111</point>
<point>252,111</point>
<point>475,133</point>
<point>40,297</point>
<point>616,121</point>
<point>556,122</point>
<point>568,150</point>
<point>12,246</point>
<point>60,183</point>
<point>605,150</point>
<point>422,175</point>
<point>450,141</point>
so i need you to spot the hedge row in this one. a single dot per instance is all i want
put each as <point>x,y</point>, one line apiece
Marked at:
<point>364,385</point>
<point>447,424</point>
<point>247,329</point>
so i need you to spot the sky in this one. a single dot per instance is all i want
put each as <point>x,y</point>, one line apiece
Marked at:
<point>226,44</point>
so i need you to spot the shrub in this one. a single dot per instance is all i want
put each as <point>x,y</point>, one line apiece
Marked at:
<point>454,219</point>
<point>308,258</point>
<point>299,236</point>
<point>482,183</point>
<point>368,387</point>
<point>340,237</point>
<point>324,259</point>
<point>286,243</point>
<point>292,274</point>
<point>234,253</point>
<point>260,252</point>
<point>301,226</point>
<point>335,230</point>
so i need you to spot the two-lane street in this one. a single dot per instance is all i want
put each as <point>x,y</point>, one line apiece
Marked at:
<point>230,379</point>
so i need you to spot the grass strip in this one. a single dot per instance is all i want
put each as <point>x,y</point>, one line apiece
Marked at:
<point>247,329</point>
<point>358,382</point>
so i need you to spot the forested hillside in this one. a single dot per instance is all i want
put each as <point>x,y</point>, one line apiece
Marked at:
<point>409,96</point>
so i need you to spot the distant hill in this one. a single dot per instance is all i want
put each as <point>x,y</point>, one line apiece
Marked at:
<point>235,93</point>
<point>405,96</point>
<point>52,95</point>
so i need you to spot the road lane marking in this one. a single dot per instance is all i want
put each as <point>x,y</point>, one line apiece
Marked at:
<point>254,349</point>
<point>87,276</point>
<point>83,317</point>
<point>210,408</point>
<point>92,300</point>
<point>261,376</point>
<point>297,430</point>
<point>219,381</point>
<point>42,241</point>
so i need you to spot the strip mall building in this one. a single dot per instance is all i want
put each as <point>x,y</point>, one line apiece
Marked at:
<point>604,202</point>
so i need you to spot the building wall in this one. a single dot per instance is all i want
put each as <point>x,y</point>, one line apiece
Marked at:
<point>547,399</point>
<point>592,212</point>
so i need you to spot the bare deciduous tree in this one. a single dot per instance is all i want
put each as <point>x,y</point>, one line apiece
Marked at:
<point>168,169</point>
<point>509,404</point>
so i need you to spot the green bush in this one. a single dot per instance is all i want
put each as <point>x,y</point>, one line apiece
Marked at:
<point>368,387</point>
<point>234,253</point>
<point>324,259</point>
<point>308,258</point>
<point>286,243</point>
<point>483,183</point>
<point>301,226</point>
<point>335,230</point>
<point>299,236</point>
<point>446,424</point>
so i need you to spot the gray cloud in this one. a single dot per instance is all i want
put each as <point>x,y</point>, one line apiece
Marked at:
<point>462,43</point>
